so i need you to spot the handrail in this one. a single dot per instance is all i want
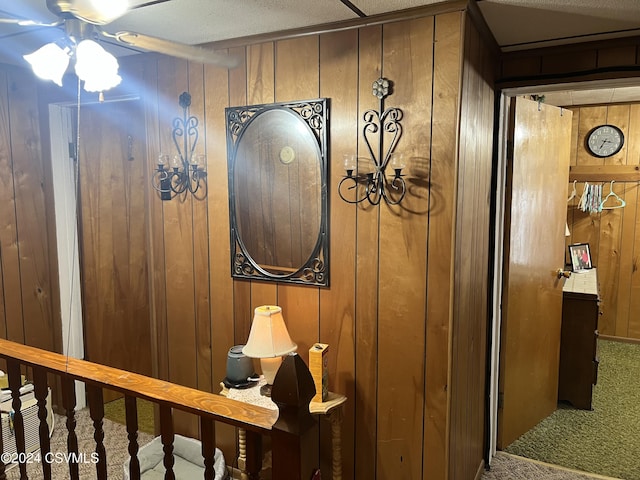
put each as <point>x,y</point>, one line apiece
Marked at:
<point>233,412</point>
<point>290,427</point>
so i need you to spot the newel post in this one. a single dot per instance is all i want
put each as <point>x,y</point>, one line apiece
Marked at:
<point>295,433</point>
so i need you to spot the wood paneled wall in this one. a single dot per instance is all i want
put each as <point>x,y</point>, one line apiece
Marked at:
<point>29,298</point>
<point>405,314</point>
<point>613,235</point>
<point>473,254</point>
<point>618,58</point>
<point>388,312</point>
<point>113,236</point>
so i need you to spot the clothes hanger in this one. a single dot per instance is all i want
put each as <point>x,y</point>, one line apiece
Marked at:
<point>582,203</point>
<point>615,196</point>
<point>574,193</point>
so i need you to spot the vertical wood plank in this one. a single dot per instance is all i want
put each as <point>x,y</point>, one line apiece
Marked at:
<point>633,135</point>
<point>201,251</point>
<point>114,257</point>
<point>407,61</point>
<point>220,283</point>
<point>618,115</point>
<point>339,82</point>
<point>446,61</point>
<point>155,239</point>
<point>366,281</point>
<point>10,291</point>
<point>30,212</point>
<point>575,138</point>
<point>625,272</point>
<point>179,250</point>
<point>241,289</point>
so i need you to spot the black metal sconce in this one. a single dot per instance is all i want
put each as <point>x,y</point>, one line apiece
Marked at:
<point>374,184</point>
<point>186,170</point>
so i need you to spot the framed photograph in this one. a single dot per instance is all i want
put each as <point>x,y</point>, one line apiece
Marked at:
<point>580,256</point>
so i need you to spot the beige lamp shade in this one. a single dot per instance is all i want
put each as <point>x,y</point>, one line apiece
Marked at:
<point>268,336</point>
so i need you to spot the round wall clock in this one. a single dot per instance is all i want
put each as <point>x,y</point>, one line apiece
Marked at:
<point>605,140</point>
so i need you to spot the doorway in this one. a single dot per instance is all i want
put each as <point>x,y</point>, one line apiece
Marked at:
<point>100,188</point>
<point>580,94</point>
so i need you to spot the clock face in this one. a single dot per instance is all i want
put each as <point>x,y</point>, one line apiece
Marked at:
<point>605,140</point>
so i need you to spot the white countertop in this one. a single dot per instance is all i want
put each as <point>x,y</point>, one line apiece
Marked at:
<point>585,282</point>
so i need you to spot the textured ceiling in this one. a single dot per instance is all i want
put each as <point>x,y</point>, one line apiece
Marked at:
<point>520,24</point>
<point>516,24</point>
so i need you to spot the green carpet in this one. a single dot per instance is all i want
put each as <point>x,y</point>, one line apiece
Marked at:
<point>606,440</point>
<point>115,411</point>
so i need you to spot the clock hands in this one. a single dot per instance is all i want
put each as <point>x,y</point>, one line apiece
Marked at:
<point>603,142</point>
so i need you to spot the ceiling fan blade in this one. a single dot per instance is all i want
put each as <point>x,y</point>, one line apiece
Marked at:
<point>181,50</point>
<point>149,4</point>
<point>28,23</point>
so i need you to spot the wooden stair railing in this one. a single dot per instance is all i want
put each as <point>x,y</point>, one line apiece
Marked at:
<point>293,390</point>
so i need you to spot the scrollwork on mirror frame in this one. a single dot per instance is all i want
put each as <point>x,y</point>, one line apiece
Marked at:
<point>277,165</point>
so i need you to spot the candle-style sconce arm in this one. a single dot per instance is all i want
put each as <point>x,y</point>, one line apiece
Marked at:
<point>376,185</point>
<point>186,170</point>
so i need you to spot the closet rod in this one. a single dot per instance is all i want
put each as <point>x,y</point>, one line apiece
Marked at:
<point>604,173</point>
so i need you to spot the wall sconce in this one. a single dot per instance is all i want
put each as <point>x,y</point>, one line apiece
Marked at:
<point>268,340</point>
<point>374,184</point>
<point>185,171</point>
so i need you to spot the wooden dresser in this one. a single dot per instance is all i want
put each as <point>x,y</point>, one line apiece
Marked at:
<point>578,344</point>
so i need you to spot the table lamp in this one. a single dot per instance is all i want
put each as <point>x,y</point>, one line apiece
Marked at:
<point>268,340</point>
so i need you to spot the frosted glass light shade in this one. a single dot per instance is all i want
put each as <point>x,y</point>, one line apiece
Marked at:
<point>268,336</point>
<point>96,67</point>
<point>49,62</point>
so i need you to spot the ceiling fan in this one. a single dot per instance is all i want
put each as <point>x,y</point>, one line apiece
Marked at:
<point>84,20</point>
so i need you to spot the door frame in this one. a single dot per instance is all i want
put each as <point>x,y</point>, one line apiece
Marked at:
<point>494,353</point>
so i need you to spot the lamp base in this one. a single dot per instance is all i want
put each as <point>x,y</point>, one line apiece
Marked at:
<point>269,367</point>
<point>265,390</point>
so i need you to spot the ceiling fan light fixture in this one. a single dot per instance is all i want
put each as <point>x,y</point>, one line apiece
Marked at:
<point>49,62</point>
<point>96,67</point>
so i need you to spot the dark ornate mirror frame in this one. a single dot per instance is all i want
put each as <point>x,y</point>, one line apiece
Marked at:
<point>314,114</point>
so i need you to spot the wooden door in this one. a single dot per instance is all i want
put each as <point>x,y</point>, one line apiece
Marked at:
<point>113,238</point>
<point>538,173</point>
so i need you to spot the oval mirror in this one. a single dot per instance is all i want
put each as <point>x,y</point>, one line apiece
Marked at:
<point>277,191</point>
